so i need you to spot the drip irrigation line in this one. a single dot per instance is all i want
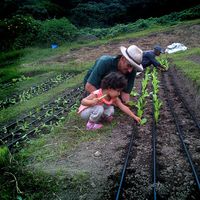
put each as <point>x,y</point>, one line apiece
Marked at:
<point>193,116</point>
<point>35,90</point>
<point>125,166</point>
<point>180,133</point>
<point>52,102</point>
<point>154,135</point>
<point>59,111</point>
<point>32,122</point>
<point>32,131</point>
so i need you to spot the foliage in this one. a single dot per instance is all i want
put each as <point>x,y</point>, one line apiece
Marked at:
<point>19,183</point>
<point>164,62</point>
<point>156,101</point>
<point>92,14</point>
<point>142,24</point>
<point>188,63</point>
<point>19,31</point>
<point>4,156</point>
<point>56,31</point>
<point>41,9</point>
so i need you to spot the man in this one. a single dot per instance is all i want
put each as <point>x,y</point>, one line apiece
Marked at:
<point>149,57</point>
<point>128,64</point>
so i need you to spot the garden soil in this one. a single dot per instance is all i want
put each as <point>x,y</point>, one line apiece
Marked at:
<point>104,158</point>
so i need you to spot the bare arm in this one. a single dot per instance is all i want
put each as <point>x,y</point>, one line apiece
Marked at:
<point>125,97</point>
<point>89,87</point>
<point>90,100</point>
<point>126,110</point>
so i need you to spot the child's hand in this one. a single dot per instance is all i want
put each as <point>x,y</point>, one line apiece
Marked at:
<point>137,119</point>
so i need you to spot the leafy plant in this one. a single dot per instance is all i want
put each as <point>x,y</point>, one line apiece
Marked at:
<point>164,63</point>
<point>4,156</point>
<point>56,31</point>
<point>143,121</point>
<point>157,103</point>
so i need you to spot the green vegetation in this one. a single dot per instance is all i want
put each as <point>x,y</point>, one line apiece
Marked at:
<point>156,101</point>
<point>164,62</point>
<point>141,103</point>
<point>13,111</point>
<point>188,62</point>
<point>22,68</point>
<point>24,31</point>
<point>30,176</point>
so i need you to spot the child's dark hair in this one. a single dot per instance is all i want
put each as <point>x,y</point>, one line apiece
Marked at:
<point>114,80</point>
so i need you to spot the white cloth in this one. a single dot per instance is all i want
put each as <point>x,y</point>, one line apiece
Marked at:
<point>175,47</point>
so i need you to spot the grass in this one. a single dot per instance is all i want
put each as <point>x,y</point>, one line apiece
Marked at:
<point>186,62</point>
<point>62,138</point>
<point>35,169</point>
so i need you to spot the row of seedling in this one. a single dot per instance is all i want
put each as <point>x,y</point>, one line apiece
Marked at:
<point>38,118</point>
<point>34,90</point>
<point>14,81</point>
<point>156,101</point>
<point>141,103</point>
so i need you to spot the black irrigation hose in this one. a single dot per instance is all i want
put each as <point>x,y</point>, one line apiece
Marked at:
<point>34,111</point>
<point>154,135</point>
<point>11,144</point>
<point>35,90</point>
<point>125,165</point>
<point>184,101</point>
<point>32,122</point>
<point>171,106</point>
<point>59,111</point>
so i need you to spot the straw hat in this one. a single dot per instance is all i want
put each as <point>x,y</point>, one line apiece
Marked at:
<point>134,55</point>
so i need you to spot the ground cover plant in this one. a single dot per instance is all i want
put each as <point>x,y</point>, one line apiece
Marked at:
<point>188,58</point>
<point>71,162</point>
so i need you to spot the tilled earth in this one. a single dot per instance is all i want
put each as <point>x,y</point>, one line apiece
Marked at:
<point>174,176</point>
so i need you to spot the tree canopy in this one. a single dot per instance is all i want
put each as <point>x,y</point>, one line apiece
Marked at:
<point>93,13</point>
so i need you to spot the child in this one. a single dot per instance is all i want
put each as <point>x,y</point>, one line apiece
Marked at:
<point>99,104</point>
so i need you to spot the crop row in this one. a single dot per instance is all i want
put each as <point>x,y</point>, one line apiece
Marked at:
<point>39,118</point>
<point>34,90</point>
<point>14,81</point>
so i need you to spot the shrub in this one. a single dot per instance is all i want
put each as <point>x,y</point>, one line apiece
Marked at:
<point>56,31</point>
<point>22,31</point>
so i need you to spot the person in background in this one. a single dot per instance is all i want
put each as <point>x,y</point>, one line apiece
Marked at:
<point>149,57</point>
<point>98,105</point>
<point>128,63</point>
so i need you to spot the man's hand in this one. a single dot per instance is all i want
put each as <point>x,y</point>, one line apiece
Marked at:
<point>162,68</point>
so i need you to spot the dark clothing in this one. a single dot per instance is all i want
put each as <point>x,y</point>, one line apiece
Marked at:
<point>103,66</point>
<point>149,59</point>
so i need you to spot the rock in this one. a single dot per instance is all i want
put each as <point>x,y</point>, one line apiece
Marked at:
<point>97,154</point>
<point>186,141</point>
<point>198,148</point>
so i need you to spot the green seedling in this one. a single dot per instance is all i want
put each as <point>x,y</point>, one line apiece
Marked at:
<point>134,93</point>
<point>143,121</point>
<point>131,103</point>
<point>164,63</point>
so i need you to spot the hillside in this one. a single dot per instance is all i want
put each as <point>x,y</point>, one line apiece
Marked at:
<point>67,162</point>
